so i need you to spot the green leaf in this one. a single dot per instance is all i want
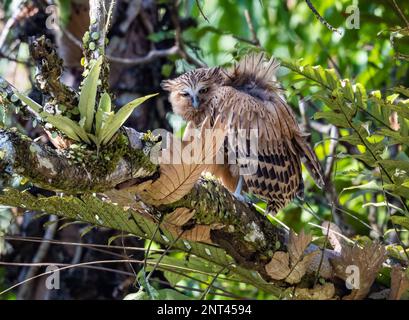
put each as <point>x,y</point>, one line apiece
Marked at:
<point>372,185</point>
<point>331,78</point>
<point>169,294</point>
<point>107,118</point>
<point>88,95</point>
<point>361,96</point>
<point>172,277</point>
<point>86,230</point>
<point>347,90</point>
<point>28,101</point>
<point>395,135</point>
<point>402,221</point>
<point>164,294</point>
<point>68,127</point>
<point>402,90</point>
<point>103,107</point>
<point>140,295</point>
<point>334,118</point>
<point>121,116</point>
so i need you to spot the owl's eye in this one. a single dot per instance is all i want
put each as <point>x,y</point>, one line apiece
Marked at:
<point>203,90</point>
<point>185,94</point>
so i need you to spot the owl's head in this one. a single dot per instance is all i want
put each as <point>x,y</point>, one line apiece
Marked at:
<point>191,92</point>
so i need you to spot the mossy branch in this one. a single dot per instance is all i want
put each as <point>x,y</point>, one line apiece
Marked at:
<point>234,225</point>
<point>73,171</point>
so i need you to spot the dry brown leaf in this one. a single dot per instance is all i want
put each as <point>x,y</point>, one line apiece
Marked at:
<point>278,268</point>
<point>321,263</point>
<point>298,262</point>
<point>175,221</point>
<point>319,292</point>
<point>399,283</point>
<point>59,142</point>
<point>179,217</point>
<point>177,179</point>
<point>368,260</point>
<point>124,199</point>
<point>291,265</point>
<point>334,233</point>
<point>299,269</point>
<point>200,233</point>
<point>297,245</point>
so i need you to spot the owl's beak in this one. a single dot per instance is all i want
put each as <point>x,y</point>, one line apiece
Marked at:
<point>195,101</point>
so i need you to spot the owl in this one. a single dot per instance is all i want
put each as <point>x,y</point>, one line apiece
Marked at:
<point>248,99</point>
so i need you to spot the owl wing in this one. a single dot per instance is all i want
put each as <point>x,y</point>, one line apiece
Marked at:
<point>277,176</point>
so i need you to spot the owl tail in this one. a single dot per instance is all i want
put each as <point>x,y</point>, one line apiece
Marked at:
<point>309,159</point>
<point>254,71</point>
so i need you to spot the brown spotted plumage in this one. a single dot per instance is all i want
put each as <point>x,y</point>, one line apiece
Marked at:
<point>247,97</point>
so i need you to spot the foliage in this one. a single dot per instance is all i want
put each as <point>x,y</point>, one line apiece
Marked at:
<point>97,126</point>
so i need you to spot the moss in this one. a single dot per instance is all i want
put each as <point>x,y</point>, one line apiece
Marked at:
<point>98,165</point>
<point>106,161</point>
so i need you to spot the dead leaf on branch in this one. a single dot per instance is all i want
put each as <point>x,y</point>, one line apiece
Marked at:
<point>179,217</point>
<point>319,292</point>
<point>278,268</point>
<point>334,235</point>
<point>182,164</point>
<point>199,233</point>
<point>175,222</point>
<point>299,269</point>
<point>399,283</point>
<point>291,265</point>
<point>297,245</point>
<point>298,261</point>
<point>360,266</point>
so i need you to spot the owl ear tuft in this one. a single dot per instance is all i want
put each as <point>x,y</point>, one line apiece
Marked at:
<point>167,85</point>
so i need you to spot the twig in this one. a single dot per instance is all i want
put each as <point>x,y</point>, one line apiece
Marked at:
<point>71,37</point>
<point>110,14</point>
<point>177,49</point>
<point>400,13</point>
<point>331,158</point>
<point>223,293</point>
<point>39,256</point>
<point>98,22</point>
<point>254,37</point>
<point>213,281</point>
<point>163,254</point>
<point>7,27</point>
<point>321,19</point>
<point>151,56</point>
<point>179,40</point>
<point>91,246</point>
<point>201,11</point>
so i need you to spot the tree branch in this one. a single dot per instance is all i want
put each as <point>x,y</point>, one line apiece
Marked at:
<point>234,225</point>
<point>54,169</point>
